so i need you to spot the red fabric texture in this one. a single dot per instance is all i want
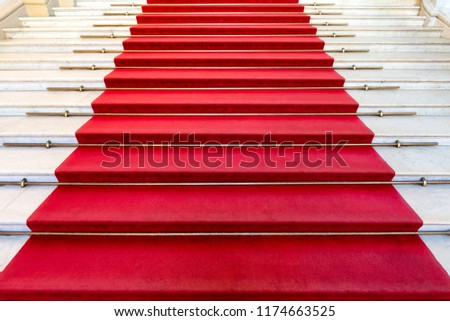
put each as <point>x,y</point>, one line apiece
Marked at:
<point>200,164</point>
<point>225,209</point>
<point>225,101</point>
<point>222,59</point>
<point>219,1</point>
<point>225,129</point>
<point>208,17</point>
<point>224,29</point>
<point>221,78</point>
<point>257,7</point>
<point>225,268</point>
<point>224,43</point>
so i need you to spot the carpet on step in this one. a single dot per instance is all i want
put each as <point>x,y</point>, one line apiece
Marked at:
<point>222,78</point>
<point>224,43</point>
<point>256,7</point>
<point>223,164</point>
<point>225,101</point>
<point>224,268</point>
<point>224,29</point>
<point>224,209</point>
<point>224,59</point>
<point>223,18</point>
<point>218,1</point>
<point>224,130</point>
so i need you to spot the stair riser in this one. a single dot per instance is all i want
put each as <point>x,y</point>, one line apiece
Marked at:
<point>22,110</point>
<point>352,21</point>
<point>391,47</point>
<point>308,10</point>
<point>48,47</point>
<point>75,34</point>
<point>223,19</point>
<point>443,141</point>
<point>42,85</point>
<point>20,65</point>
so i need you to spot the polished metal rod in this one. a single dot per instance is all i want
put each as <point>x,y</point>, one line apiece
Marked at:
<point>49,144</point>
<point>94,67</point>
<point>226,234</point>
<point>67,113</point>
<point>103,50</point>
<point>422,182</point>
<point>312,4</point>
<point>82,88</point>
<point>322,35</point>
<point>207,13</point>
<point>318,24</point>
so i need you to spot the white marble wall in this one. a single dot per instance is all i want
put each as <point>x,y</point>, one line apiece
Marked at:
<point>438,14</point>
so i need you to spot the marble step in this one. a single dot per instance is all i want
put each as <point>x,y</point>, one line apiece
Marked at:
<point>374,44</point>
<point>388,60</point>
<point>386,129</point>
<point>39,164</point>
<point>430,204</point>
<point>76,32</point>
<point>406,78</point>
<point>345,10</point>
<point>391,44</point>
<point>439,245</point>
<point>21,102</point>
<point>394,60</point>
<point>334,2</point>
<point>98,19</point>
<point>349,2</point>
<point>423,102</point>
<point>21,80</point>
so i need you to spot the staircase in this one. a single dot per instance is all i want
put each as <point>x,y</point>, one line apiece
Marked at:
<point>241,70</point>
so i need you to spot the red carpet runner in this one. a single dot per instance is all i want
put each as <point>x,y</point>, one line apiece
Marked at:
<point>240,37</point>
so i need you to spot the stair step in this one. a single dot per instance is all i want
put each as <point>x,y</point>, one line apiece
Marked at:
<point>232,8</point>
<point>188,268</point>
<point>18,103</point>
<point>255,59</point>
<point>39,164</point>
<point>224,29</point>
<point>378,44</point>
<point>418,128</point>
<point>261,209</point>
<point>224,43</point>
<point>17,163</point>
<point>425,102</point>
<point>430,204</point>
<point>406,79</point>
<point>90,20</point>
<point>418,161</point>
<point>223,101</point>
<point>235,101</point>
<point>221,1</point>
<point>259,164</point>
<point>225,130</point>
<point>62,130</point>
<point>76,32</point>
<point>384,3</point>
<point>394,60</point>
<point>29,129</point>
<point>221,78</point>
<point>388,60</point>
<point>223,18</point>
